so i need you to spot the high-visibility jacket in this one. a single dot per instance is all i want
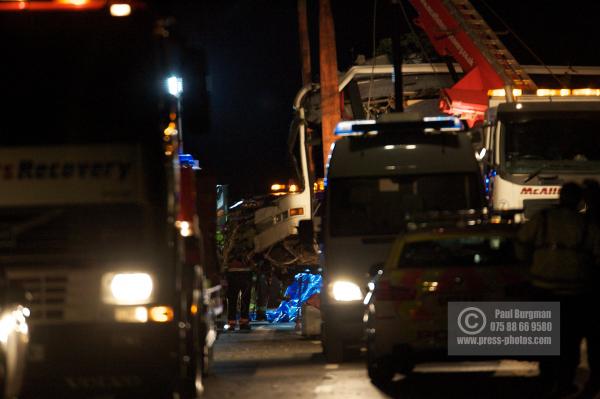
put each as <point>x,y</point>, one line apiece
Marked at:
<point>566,250</point>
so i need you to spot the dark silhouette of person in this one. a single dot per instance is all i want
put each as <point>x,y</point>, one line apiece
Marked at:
<point>591,197</point>
<point>565,248</point>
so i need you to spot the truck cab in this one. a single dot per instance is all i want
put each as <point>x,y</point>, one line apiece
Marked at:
<point>536,144</point>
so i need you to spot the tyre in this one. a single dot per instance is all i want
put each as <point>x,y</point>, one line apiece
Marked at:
<point>380,371</point>
<point>196,375</point>
<point>405,367</point>
<point>404,360</point>
<point>191,384</point>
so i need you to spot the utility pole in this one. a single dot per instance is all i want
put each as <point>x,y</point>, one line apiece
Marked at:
<point>304,43</point>
<point>397,50</point>
<point>330,103</point>
<point>305,59</point>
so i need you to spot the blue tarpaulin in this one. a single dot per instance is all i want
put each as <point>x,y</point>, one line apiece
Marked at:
<point>304,286</point>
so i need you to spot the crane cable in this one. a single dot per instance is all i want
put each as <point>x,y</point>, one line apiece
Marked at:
<point>516,36</point>
<point>414,33</point>
<point>372,80</point>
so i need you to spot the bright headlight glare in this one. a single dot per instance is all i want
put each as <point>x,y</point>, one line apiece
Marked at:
<point>129,288</point>
<point>120,10</point>
<point>346,291</point>
<point>7,326</point>
<point>13,321</point>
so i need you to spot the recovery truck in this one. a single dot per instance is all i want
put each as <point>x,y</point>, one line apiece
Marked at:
<point>535,139</point>
<point>99,208</point>
<point>536,144</point>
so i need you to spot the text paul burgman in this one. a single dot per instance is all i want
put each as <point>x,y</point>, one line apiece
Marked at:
<point>517,314</point>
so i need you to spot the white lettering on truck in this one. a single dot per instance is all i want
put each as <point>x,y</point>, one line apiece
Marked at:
<point>27,169</point>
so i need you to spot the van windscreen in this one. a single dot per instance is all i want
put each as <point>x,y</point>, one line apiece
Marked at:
<point>383,205</point>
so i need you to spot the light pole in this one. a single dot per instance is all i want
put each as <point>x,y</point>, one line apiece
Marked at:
<point>175,87</point>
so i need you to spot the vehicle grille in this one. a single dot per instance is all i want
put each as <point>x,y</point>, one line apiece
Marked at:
<point>47,294</point>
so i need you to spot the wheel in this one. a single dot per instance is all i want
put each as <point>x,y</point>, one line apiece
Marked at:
<point>404,360</point>
<point>405,367</point>
<point>381,371</point>
<point>382,368</point>
<point>191,384</point>
<point>333,347</point>
<point>198,348</point>
<point>379,368</point>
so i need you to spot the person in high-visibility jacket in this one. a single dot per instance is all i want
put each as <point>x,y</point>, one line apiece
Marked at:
<point>566,250</point>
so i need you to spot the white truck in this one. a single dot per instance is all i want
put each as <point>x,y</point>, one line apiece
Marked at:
<point>537,143</point>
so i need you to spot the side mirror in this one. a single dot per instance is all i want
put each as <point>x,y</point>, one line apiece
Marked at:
<point>483,155</point>
<point>306,232</point>
<point>375,270</point>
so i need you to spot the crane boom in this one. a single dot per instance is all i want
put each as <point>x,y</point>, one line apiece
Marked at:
<point>456,29</point>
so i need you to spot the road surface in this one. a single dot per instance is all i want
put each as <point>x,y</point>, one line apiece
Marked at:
<point>274,361</point>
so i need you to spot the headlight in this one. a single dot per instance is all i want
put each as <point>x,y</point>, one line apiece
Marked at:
<point>13,321</point>
<point>127,288</point>
<point>345,291</point>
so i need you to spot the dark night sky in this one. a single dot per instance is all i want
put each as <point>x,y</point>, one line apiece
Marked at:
<point>253,68</point>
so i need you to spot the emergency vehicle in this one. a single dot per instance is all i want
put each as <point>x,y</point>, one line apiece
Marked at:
<point>386,177</point>
<point>407,304</point>
<point>99,220</point>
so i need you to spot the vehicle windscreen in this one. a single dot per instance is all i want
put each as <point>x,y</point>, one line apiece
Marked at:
<point>383,205</point>
<point>559,141</point>
<point>474,250</point>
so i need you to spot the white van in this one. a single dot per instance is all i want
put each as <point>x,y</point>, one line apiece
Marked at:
<point>383,176</point>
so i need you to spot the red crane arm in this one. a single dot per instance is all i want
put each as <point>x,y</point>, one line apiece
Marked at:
<point>456,29</point>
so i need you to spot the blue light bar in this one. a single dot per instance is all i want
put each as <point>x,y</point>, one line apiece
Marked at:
<point>353,128</point>
<point>399,122</point>
<point>453,123</point>
<point>188,160</point>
